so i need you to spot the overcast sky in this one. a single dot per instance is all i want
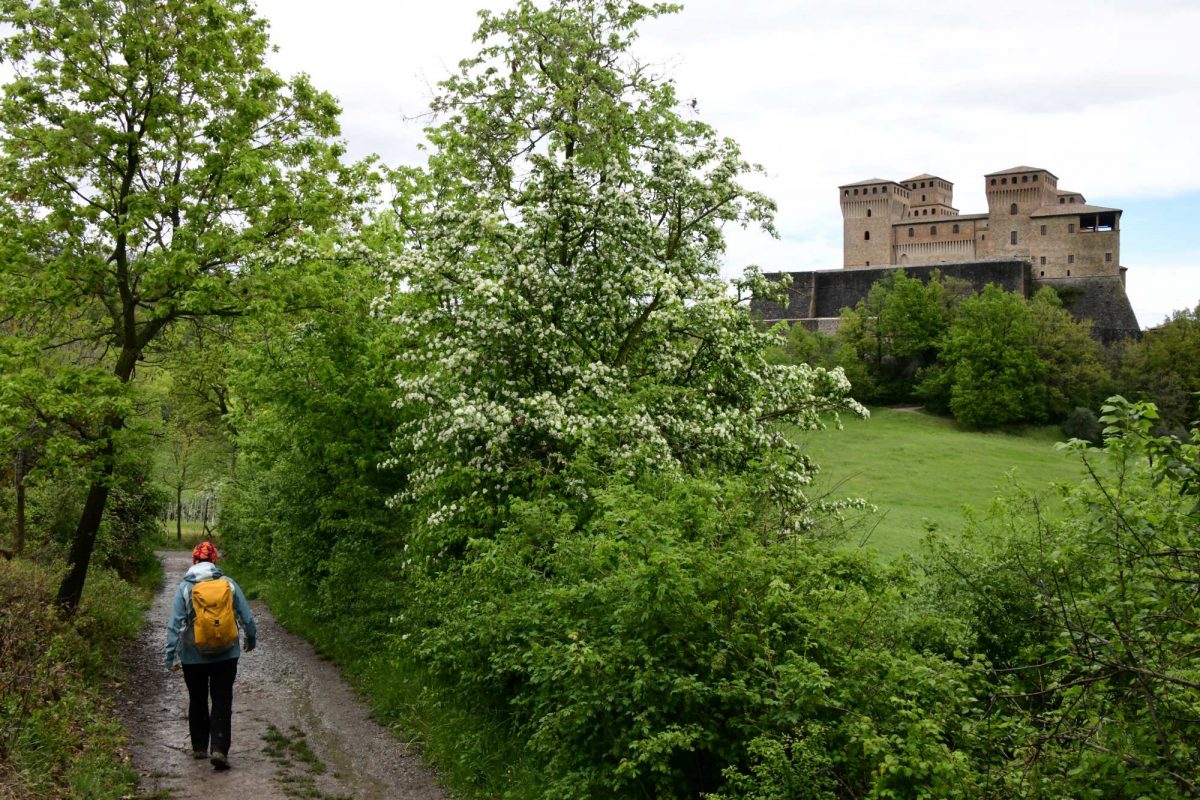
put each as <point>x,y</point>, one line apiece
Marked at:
<point>1106,95</point>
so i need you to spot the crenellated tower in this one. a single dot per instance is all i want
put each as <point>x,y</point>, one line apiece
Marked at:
<point>870,211</point>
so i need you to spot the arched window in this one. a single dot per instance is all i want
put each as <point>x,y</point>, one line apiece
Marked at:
<point>866,235</point>
<point>911,231</point>
<point>1012,209</point>
<point>1012,238</point>
<point>868,212</point>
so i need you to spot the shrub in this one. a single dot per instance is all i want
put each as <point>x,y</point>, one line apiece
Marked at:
<point>1083,424</point>
<point>58,737</point>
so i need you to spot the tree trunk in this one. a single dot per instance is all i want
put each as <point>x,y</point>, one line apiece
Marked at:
<point>178,514</point>
<point>19,482</point>
<point>71,590</point>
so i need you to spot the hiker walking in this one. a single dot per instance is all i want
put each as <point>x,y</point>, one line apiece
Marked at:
<point>202,637</point>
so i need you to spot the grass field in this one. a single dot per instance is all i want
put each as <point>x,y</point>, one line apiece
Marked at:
<point>922,470</point>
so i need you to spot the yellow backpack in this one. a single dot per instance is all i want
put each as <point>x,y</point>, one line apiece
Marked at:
<point>213,626</point>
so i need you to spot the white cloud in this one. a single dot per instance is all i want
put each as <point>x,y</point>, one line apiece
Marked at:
<point>1105,95</point>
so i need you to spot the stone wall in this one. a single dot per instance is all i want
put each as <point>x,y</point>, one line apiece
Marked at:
<point>817,298</point>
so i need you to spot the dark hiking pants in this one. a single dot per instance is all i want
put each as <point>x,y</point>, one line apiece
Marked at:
<point>215,678</point>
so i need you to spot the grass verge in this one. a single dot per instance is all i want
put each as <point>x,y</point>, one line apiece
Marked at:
<point>923,471</point>
<point>59,736</point>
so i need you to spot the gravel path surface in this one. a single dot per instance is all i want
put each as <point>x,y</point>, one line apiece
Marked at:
<point>298,729</point>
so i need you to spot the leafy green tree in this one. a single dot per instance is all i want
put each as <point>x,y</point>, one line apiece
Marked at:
<point>895,332</point>
<point>1164,367</point>
<point>1075,374</point>
<point>566,237</point>
<point>153,170</point>
<point>991,374</point>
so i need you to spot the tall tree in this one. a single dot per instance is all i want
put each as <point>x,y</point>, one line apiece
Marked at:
<point>566,243</point>
<point>149,164</point>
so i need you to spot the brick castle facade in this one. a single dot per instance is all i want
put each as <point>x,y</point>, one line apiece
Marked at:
<point>1033,234</point>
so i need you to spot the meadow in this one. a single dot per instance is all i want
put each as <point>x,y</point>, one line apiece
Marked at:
<point>922,471</point>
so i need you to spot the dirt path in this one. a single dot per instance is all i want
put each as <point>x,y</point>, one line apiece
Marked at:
<point>298,729</point>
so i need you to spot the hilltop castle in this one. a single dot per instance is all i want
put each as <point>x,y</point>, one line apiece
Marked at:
<point>1033,234</point>
<point>914,222</point>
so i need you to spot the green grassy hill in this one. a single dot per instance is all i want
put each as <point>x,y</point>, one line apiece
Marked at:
<point>921,469</point>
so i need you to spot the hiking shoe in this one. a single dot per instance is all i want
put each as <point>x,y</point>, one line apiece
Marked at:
<point>219,761</point>
<point>198,754</point>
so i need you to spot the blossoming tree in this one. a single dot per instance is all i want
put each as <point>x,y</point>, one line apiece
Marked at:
<point>566,237</point>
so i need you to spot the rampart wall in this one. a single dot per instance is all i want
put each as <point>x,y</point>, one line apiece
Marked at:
<point>817,298</point>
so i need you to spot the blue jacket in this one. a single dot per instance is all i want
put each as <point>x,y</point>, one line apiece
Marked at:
<point>180,644</point>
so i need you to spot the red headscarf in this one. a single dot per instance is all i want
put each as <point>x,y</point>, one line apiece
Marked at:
<point>205,552</point>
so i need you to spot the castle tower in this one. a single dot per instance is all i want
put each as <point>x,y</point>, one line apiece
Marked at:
<point>870,209</point>
<point>1013,195</point>
<point>930,196</point>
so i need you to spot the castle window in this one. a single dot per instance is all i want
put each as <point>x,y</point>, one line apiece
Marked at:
<point>1004,181</point>
<point>1072,201</point>
<point>856,191</point>
<point>1024,179</point>
<point>1043,263</point>
<point>1062,200</point>
<point>1108,258</point>
<point>868,263</point>
<point>1035,178</point>
<point>1042,274</point>
<point>922,186</point>
<point>1070,227</point>
<point>922,196</point>
<point>910,231</point>
<point>868,212</point>
<point>884,190</point>
<point>874,190</point>
<point>866,235</point>
<point>933,230</point>
<point>1012,209</point>
<point>1043,230</point>
<point>993,181</point>
<point>846,193</point>
<point>1012,238</point>
<point>956,229</point>
<point>1071,259</point>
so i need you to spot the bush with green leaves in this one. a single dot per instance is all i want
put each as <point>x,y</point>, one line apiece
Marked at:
<point>1089,619</point>
<point>674,634</point>
<point>1163,368</point>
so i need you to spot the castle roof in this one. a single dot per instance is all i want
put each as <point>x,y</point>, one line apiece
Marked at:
<point>1072,210</point>
<point>867,182</point>
<point>1011,170</point>
<point>924,176</point>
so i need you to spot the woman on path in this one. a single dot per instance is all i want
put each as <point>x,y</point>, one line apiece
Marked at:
<point>209,663</point>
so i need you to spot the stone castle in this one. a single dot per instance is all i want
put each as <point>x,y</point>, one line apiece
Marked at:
<point>1033,234</point>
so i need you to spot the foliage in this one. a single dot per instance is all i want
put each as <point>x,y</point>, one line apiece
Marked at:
<point>315,418</point>
<point>1082,423</point>
<point>1162,367</point>
<point>672,634</point>
<point>58,737</point>
<point>1089,620</point>
<point>564,275</point>
<point>1075,376</point>
<point>152,170</point>
<point>896,331</point>
<point>991,373</point>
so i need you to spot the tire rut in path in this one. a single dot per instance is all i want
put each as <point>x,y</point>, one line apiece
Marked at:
<point>298,729</point>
